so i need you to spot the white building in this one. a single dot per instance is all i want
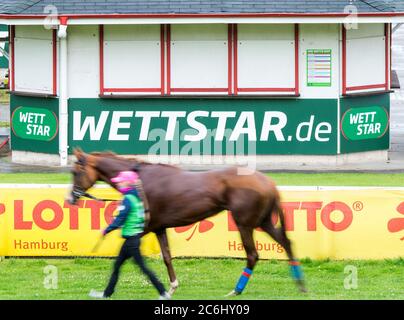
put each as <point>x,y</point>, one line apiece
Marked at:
<point>275,78</point>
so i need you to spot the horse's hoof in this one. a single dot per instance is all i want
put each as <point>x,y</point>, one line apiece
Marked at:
<point>302,287</point>
<point>233,293</point>
<point>172,290</point>
<point>173,287</point>
<point>303,290</point>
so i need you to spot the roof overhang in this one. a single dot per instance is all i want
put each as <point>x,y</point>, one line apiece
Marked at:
<point>96,19</point>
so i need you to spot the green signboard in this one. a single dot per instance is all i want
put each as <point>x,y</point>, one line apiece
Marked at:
<point>365,123</point>
<point>34,124</point>
<point>204,126</point>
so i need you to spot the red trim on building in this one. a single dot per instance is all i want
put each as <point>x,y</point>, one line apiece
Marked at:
<point>63,20</point>
<point>384,85</point>
<point>12,46</point>
<point>391,55</point>
<point>162,58</point>
<point>101,40</point>
<point>235,57</point>
<point>168,44</point>
<point>55,63</point>
<point>132,90</point>
<point>204,15</point>
<point>267,90</point>
<point>103,89</point>
<point>343,60</point>
<point>199,89</point>
<point>230,57</point>
<point>367,87</point>
<point>297,85</point>
<point>54,60</point>
<point>229,63</point>
<point>296,71</point>
<point>386,46</point>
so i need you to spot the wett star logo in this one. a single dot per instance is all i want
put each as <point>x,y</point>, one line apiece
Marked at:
<point>397,224</point>
<point>202,226</point>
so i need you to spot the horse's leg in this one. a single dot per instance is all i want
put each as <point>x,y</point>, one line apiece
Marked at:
<point>165,250</point>
<point>279,235</point>
<point>252,258</point>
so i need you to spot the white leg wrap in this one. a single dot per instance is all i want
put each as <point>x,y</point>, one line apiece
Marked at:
<point>174,284</point>
<point>173,287</point>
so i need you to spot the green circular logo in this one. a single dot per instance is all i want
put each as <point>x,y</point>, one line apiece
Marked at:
<point>365,123</point>
<point>34,123</point>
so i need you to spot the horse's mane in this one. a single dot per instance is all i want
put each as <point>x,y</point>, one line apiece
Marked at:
<point>113,155</point>
<point>110,154</point>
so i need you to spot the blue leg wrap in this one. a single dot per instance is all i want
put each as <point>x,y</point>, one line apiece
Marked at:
<point>296,271</point>
<point>242,282</point>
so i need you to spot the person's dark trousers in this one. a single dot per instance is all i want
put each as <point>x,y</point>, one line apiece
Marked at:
<point>131,248</point>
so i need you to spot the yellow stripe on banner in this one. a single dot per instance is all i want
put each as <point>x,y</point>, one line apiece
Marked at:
<point>336,224</point>
<point>39,222</point>
<point>3,229</point>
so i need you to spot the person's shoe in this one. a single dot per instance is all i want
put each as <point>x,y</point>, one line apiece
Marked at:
<point>97,294</point>
<point>165,296</point>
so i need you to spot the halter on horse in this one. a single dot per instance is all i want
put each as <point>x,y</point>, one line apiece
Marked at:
<point>179,198</point>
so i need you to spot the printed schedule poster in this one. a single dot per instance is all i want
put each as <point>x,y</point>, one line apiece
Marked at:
<point>319,68</point>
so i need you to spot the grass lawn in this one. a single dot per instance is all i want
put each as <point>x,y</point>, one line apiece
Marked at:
<point>202,279</point>
<point>206,279</point>
<point>282,179</point>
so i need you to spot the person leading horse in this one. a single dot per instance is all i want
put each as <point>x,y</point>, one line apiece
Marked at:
<point>178,198</point>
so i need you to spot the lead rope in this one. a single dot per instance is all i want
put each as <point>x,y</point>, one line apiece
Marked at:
<point>87,195</point>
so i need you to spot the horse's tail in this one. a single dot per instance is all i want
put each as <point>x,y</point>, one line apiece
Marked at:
<point>276,209</point>
<point>279,235</point>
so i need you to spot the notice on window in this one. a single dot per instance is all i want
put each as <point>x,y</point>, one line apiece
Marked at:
<point>319,68</point>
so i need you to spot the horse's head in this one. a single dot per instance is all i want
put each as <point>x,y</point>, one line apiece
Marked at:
<point>85,175</point>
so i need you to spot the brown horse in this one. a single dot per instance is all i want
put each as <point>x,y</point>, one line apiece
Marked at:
<point>179,198</point>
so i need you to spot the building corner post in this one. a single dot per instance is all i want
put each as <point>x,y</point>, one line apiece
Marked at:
<point>63,94</point>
